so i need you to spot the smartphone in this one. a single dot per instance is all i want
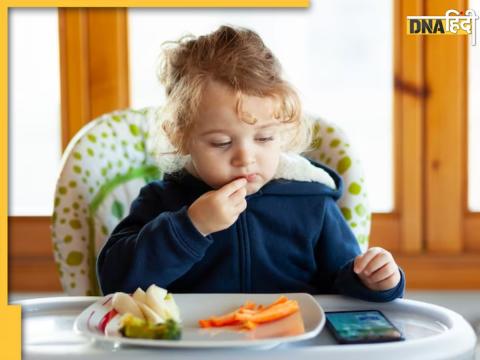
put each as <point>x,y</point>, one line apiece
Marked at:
<point>361,327</point>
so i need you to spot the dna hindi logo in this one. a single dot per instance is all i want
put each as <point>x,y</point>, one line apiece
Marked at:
<point>453,23</point>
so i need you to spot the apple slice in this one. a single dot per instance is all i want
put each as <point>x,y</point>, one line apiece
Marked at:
<point>123,303</point>
<point>156,300</point>
<point>172,308</point>
<point>139,296</point>
<point>151,316</point>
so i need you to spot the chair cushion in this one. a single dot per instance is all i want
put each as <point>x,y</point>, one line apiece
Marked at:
<point>103,169</point>
<point>331,147</point>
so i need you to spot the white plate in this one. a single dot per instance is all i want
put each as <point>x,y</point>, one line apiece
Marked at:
<point>193,307</point>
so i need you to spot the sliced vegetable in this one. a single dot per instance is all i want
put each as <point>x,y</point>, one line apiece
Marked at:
<point>105,319</point>
<point>133,327</point>
<point>156,301</point>
<point>171,309</point>
<point>227,319</point>
<point>124,303</point>
<point>250,315</point>
<point>249,325</point>
<point>152,314</point>
<point>282,299</point>
<point>139,296</point>
<point>272,313</point>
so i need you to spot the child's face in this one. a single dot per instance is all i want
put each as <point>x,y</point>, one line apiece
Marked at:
<point>224,148</point>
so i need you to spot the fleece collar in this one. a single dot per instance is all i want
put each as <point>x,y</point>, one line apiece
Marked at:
<point>296,167</point>
<point>300,176</point>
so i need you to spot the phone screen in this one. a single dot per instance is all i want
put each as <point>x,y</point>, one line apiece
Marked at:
<point>366,326</point>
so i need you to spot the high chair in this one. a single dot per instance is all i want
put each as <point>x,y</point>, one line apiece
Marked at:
<point>110,159</point>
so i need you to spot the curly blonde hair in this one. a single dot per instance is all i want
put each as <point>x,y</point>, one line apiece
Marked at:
<point>233,56</point>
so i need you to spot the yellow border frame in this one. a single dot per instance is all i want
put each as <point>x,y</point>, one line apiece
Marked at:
<point>10,329</point>
<point>10,333</point>
<point>157,3</point>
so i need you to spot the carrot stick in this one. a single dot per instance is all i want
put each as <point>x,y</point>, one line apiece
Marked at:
<point>280,300</point>
<point>249,325</point>
<point>276,312</point>
<point>250,315</point>
<point>204,323</point>
<point>216,321</point>
<point>272,313</point>
<point>227,319</point>
<point>249,305</point>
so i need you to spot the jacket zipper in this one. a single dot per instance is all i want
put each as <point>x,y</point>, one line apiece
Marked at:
<point>241,262</point>
<point>244,253</point>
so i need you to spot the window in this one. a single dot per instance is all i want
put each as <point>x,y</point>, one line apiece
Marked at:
<point>34,110</point>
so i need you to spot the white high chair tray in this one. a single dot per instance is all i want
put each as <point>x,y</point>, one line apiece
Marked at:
<point>431,332</point>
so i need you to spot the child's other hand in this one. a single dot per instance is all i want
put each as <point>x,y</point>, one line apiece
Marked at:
<point>217,210</point>
<point>377,269</point>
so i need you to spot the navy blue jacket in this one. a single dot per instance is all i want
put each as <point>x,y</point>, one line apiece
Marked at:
<point>291,238</point>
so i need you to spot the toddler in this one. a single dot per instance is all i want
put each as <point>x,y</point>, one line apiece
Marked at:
<point>223,223</point>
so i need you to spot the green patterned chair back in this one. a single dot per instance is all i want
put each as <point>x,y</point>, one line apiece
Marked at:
<point>109,160</point>
<point>332,148</point>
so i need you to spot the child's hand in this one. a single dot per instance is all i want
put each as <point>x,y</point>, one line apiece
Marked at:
<point>377,269</point>
<point>217,210</point>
